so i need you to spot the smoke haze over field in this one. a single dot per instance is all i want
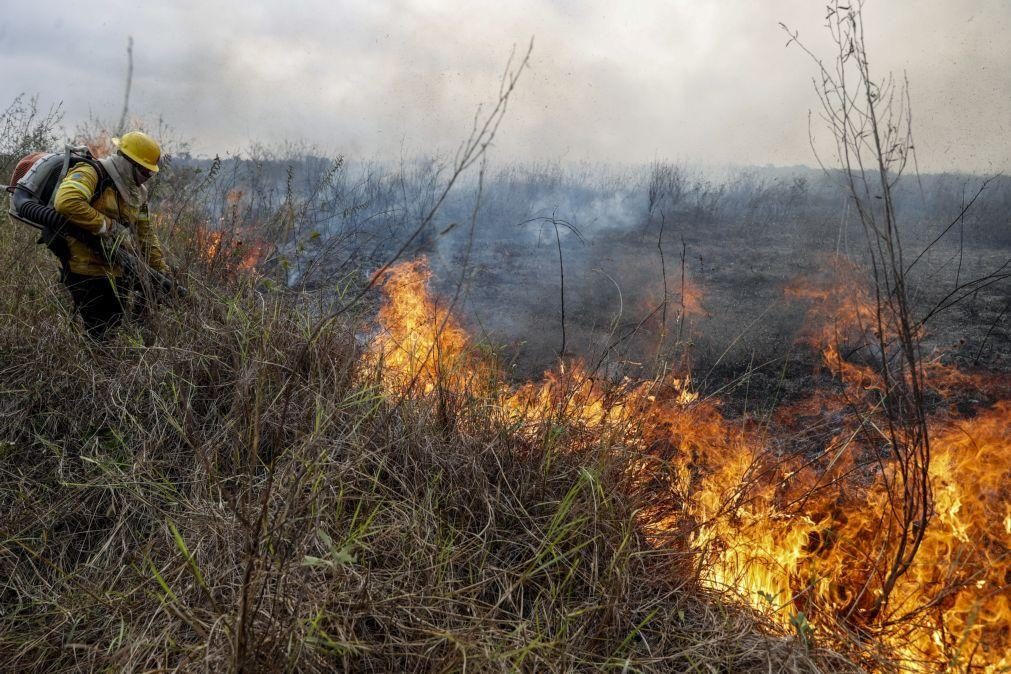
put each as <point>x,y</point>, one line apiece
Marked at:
<point>609,82</point>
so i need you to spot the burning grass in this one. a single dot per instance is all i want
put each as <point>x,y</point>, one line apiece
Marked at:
<point>804,535</point>
<point>216,489</point>
<point>226,487</point>
<point>211,492</point>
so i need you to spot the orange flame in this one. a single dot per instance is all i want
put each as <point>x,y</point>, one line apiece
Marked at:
<point>801,535</point>
<point>691,298</point>
<point>841,312</point>
<point>232,251</point>
<point>100,144</point>
<point>422,345</point>
<point>683,302</point>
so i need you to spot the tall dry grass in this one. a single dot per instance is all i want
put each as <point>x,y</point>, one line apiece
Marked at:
<point>192,496</point>
<point>212,490</point>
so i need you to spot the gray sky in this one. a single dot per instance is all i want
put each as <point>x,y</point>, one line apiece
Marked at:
<point>700,80</point>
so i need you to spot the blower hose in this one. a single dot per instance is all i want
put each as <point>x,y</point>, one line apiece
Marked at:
<point>53,224</point>
<point>43,215</point>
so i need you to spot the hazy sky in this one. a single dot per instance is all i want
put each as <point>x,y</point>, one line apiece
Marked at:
<point>699,80</point>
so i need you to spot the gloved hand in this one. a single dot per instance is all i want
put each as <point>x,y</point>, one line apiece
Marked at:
<point>116,231</point>
<point>117,238</point>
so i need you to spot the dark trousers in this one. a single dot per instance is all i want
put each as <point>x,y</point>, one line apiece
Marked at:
<point>97,301</point>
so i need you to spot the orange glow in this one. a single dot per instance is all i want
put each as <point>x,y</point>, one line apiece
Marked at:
<point>841,312</point>
<point>691,298</point>
<point>229,250</point>
<point>421,346</point>
<point>684,302</point>
<point>101,145</point>
<point>795,531</point>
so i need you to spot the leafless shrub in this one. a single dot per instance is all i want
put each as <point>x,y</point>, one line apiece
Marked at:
<point>25,129</point>
<point>870,123</point>
<point>666,188</point>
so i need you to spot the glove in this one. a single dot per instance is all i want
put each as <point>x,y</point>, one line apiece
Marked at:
<point>119,238</point>
<point>115,231</point>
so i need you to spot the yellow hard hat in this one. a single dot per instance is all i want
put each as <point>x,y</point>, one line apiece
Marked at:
<point>141,148</point>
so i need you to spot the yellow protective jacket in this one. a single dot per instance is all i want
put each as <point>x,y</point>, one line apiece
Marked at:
<point>74,202</point>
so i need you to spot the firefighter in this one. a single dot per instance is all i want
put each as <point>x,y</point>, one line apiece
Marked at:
<point>119,215</point>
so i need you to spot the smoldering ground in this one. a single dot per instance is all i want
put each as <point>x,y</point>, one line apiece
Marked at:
<point>661,264</point>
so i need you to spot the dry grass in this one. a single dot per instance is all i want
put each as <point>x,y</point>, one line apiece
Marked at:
<point>205,493</point>
<point>212,490</point>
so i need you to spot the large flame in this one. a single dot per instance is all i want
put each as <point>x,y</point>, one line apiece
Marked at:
<point>422,347</point>
<point>794,522</point>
